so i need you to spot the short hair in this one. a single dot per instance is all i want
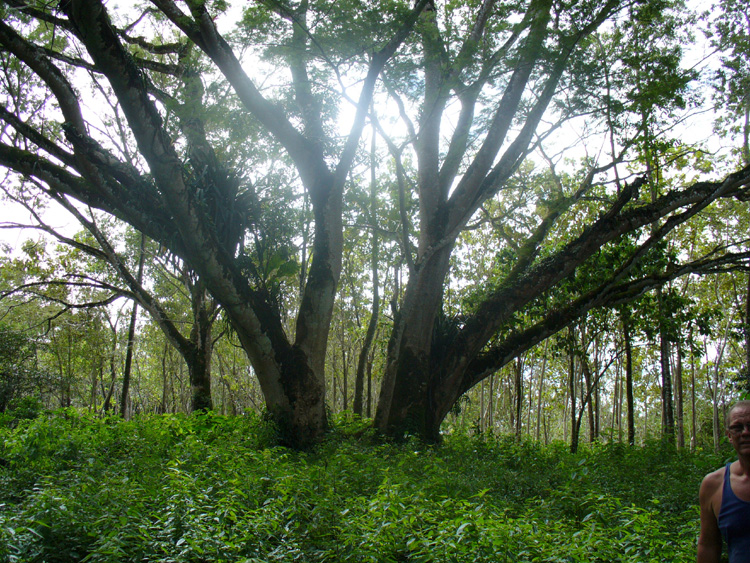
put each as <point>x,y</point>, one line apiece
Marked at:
<point>745,403</point>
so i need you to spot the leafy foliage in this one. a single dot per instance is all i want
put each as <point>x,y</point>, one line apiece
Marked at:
<point>19,376</point>
<point>213,488</point>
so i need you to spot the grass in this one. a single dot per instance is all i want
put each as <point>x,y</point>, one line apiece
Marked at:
<point>210,488</point>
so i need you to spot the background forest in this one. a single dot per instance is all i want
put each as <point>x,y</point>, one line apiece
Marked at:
<point>107,307</point>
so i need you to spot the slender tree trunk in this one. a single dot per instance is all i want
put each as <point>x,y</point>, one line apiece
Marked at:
<point>164,380</point>
<point>565,416</point>
<point>616,404</point>
<point>540,391</point>
<point>95,375</point>
<point>344,374</point>
<point>482,408</point>
<point>374,257</point>
<point>693,414</point>
<point>112,372</point>
<point>369,387</point>
<point>715,409</point>
<point>128,362</point>
<point>335,382</point>
<point>572,392</point>
<point>597,391</point>
<point>597,412</point>
<point>629,378</point>
<point>518,383</point>
<point>491,404</point>
<point>586,370</point>
<point>716,384</point>
<point>65,392</point>
<point>746,129</point>
<point>511,384</point>
<point>666,377</point>
<point>110,392</point>
<point>747,315</point>
<point>131,335</point>
<point>530,405</point>
<point>679,399</point>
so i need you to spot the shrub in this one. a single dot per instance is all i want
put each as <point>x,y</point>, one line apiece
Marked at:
<point>177,488</point>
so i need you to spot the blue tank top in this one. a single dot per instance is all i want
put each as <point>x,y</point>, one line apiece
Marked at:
<point>734,522</point>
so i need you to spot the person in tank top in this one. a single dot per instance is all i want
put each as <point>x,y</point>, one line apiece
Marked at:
<point>725,497</point>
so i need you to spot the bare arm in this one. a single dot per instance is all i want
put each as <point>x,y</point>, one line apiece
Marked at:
<point>709,542</point>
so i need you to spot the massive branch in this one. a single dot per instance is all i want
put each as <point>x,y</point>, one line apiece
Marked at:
<point>542,276</point>
<point>496,312</point>
<point>518,342</point>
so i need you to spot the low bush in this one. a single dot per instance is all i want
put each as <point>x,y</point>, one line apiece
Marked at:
<point>174,488</point>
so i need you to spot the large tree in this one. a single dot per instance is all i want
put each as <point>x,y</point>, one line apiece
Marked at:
<point>478,85</point>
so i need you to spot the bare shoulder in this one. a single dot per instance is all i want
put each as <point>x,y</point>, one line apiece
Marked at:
<point>712,483</point>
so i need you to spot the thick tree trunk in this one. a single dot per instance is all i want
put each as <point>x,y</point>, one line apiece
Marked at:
<point>414,398</point>
<point>199,359</point>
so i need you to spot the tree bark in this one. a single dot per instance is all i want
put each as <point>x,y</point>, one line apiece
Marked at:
<point>679,405</point>
<point>627,338</point>
<point>126,373</point>
<point>372,324</point>
<point>518,395</point>
<point>572,372</point>
<point>746,326</point>
<point>586,370</point>
<point>716,426</point>
<point>693,414</point>
<point>666,376</point>
<point>344,375</point>
<point>201,350</point>
<point>540,391</point>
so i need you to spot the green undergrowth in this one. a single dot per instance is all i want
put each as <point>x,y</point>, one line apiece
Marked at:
<point>199,488</point>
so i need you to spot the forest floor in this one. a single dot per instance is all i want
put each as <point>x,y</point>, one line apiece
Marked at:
<point>174,488</point>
